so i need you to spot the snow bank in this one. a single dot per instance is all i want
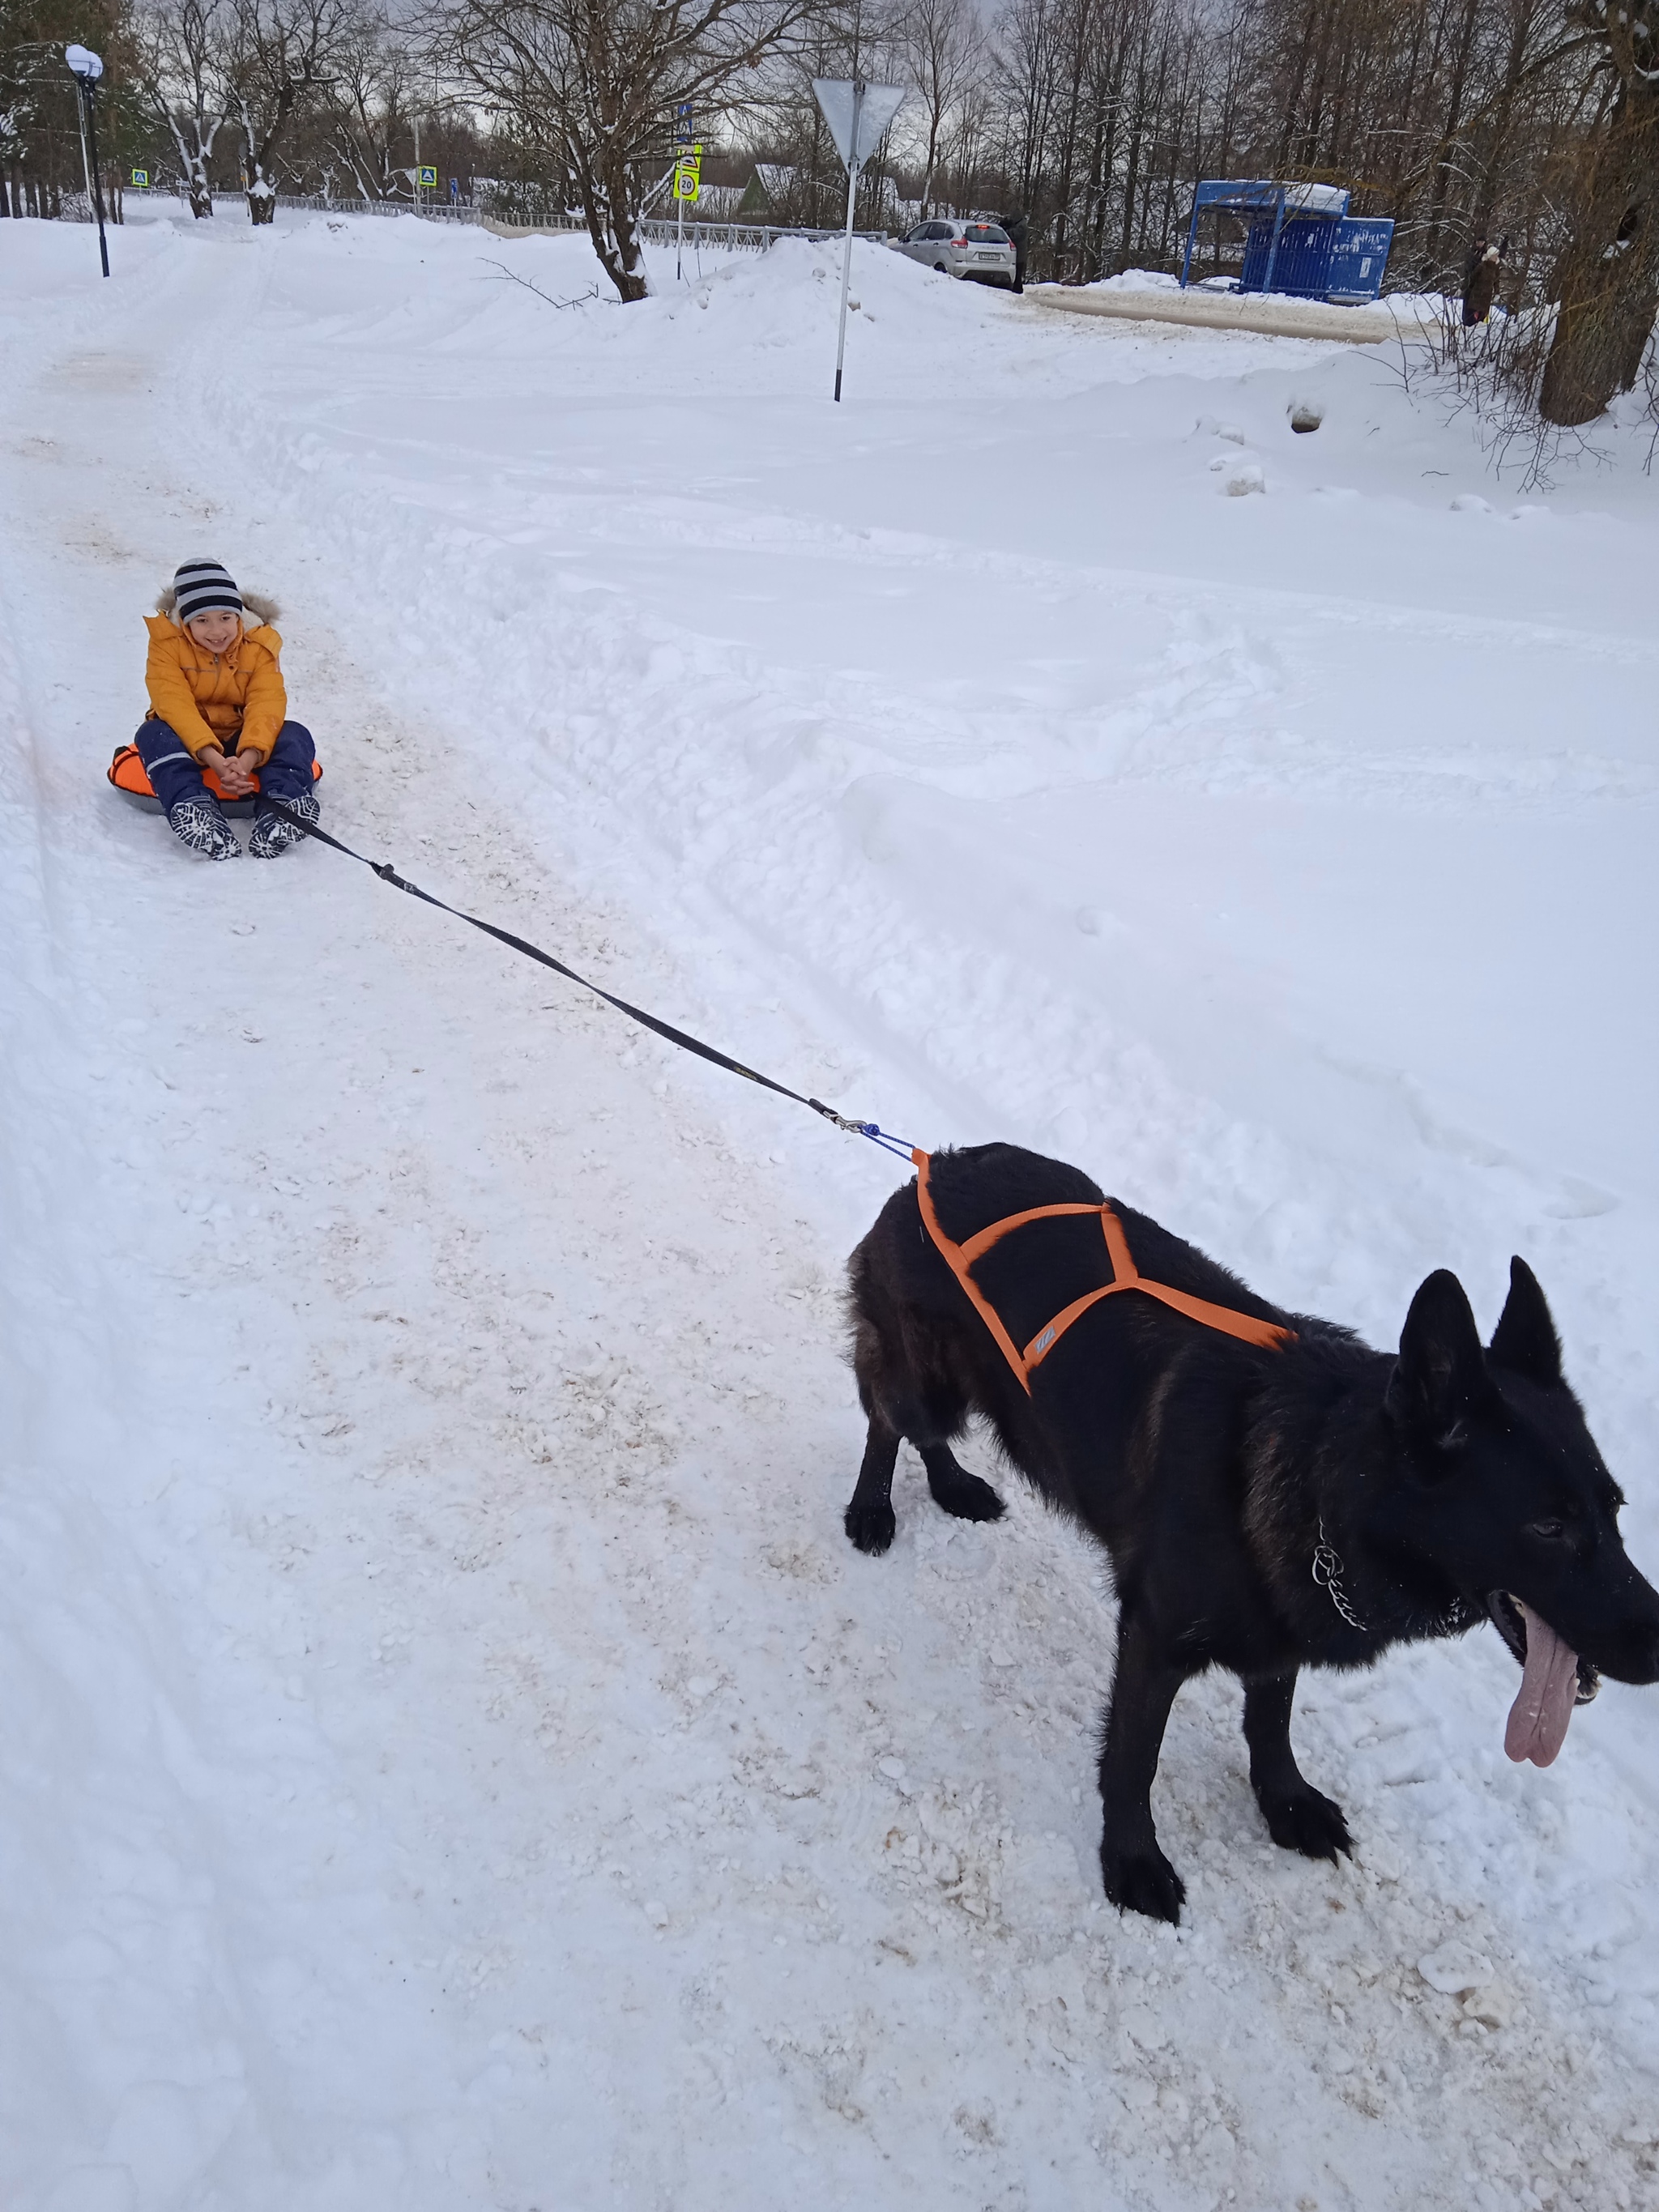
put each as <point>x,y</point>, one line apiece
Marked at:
<point>1144,295</point>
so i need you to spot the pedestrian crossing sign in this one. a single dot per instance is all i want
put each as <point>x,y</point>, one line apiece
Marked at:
<point>141,177</point>
<point>428,179</point>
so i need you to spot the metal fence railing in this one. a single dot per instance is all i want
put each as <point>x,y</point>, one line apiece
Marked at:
<point>742,237</point>
<point>657,230</point>
<point>739,237</point>
<point>439,211</point>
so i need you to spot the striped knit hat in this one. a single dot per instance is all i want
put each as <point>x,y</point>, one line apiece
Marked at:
<point>200,587</point>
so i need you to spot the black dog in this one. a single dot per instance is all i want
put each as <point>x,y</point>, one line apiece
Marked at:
<point>1265,1508</point>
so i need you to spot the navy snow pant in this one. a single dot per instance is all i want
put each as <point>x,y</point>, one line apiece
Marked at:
<point>175,775</point>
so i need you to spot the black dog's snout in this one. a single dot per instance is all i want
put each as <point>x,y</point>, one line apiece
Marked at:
<point>1646,1637</point>
<point>1634,1656</point>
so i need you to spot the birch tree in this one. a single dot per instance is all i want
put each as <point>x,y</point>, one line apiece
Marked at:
<point>183,86</point>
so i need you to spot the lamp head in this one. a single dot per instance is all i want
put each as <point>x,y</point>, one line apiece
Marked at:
<point>86,65</point>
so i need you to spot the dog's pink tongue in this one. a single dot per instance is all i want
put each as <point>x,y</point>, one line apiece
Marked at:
<point>1543,1707</point>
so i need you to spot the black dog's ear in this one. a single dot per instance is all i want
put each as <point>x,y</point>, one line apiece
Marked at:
<point>1525,1340</point>
<point>1441,1373</point>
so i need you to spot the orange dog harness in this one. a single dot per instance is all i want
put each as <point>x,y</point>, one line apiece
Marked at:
<point>1125,1276</point>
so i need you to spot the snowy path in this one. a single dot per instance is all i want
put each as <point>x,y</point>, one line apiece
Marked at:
<point>455,1760</point>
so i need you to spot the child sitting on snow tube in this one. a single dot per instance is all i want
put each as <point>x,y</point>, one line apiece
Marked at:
<point>217,702</point>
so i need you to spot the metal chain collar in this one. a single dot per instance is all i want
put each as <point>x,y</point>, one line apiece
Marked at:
<point>1327,1571</point>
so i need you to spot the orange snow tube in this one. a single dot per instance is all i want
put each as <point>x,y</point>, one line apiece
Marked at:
<point>126,773</point>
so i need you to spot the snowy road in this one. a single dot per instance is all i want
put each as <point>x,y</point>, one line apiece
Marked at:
<point>454,1759</point>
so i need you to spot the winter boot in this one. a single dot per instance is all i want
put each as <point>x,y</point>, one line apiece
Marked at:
<point>198,824</point>
<point>274,831</point>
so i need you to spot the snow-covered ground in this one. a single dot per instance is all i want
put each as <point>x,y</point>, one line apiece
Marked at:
<point>452,1757</point>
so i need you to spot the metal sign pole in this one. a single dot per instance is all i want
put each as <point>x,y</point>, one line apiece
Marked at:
<point>847,255</point>
<point>858,115</point>
<point>685,152</point>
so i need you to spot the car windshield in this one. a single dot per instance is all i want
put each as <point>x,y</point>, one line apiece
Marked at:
<point>986,234</point>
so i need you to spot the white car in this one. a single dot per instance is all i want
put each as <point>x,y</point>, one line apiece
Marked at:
<point>983,251</point>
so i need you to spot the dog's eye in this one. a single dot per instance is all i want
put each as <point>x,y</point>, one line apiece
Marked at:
<point>1551,1531</point>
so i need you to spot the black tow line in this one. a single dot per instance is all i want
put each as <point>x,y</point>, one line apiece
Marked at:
<point>388,874</point>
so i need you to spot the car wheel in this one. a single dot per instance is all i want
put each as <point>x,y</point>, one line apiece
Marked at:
<point>940,269</point>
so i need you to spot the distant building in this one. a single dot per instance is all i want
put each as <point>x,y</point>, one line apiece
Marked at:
<point>765,191</point>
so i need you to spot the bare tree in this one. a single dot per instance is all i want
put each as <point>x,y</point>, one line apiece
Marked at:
<point>180,78</point>
<point>282,59</point>
<point>940,47</point>
<point>370,110</point>
<point>594,82</point>
<point>1608,279</point>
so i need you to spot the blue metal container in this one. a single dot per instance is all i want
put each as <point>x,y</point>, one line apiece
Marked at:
<point>1359,259</point>
<point>1302,264</point>
<point>1321,260</point>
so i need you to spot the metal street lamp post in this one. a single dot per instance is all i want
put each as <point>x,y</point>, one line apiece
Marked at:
<point>87,68</point>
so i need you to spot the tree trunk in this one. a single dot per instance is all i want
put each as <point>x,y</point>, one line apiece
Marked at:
<point>1609,274</point>
<point>1496,150</point>
<point>197,186</point>
<point>932,161</point>
<point>262,187</point>
<point>609,196</point>
<point>1448,165</point>
<point>1131,178</point>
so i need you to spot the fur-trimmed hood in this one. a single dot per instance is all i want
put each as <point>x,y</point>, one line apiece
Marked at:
<point>205,698</point>
<point>261,608</point>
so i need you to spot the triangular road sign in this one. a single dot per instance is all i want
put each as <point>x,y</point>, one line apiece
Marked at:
<point>872,106</point>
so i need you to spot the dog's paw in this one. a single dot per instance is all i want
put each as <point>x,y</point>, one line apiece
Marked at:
<point>1143,1881</point>
<point>872,1527</point>
<point>967,1497</point>
<point>1308,1823</point>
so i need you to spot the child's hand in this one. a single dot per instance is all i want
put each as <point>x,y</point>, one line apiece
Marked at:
<point>234,772</point>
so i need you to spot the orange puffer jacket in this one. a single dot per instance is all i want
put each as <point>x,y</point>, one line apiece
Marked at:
<point>235,699</point>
